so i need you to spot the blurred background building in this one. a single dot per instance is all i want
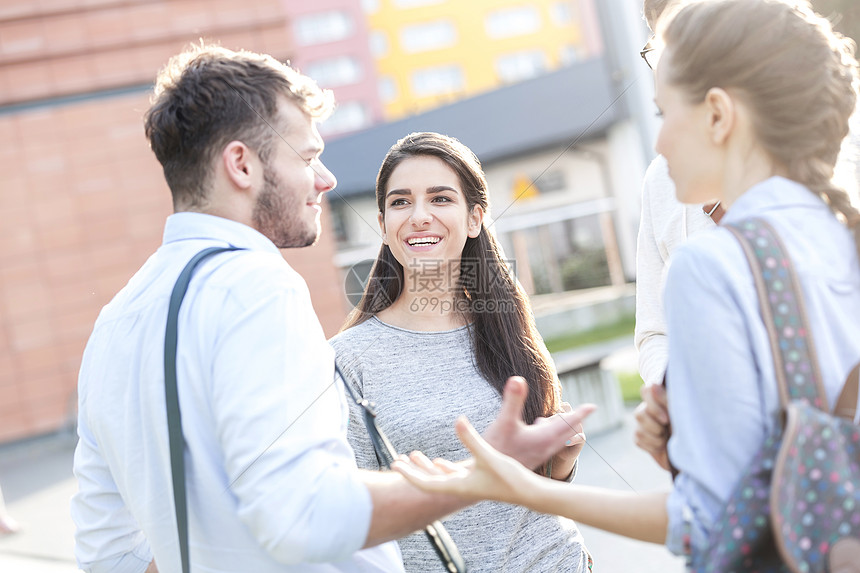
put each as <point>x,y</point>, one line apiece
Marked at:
<point>550,94</point>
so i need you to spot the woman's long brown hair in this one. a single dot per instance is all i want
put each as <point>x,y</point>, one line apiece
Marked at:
<point>504,338</point>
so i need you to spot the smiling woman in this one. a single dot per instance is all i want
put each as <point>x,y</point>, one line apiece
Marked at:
<point>441,326</point>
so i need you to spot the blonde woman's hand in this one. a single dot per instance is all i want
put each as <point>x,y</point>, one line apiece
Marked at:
<point>489,474</point>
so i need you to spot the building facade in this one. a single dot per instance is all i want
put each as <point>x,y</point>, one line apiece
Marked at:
<point>332,46</point>
<point>82,198</point>
<point>432,52</point>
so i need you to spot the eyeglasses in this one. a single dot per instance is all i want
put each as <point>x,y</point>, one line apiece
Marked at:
<point>445,547</point>
<point>649,53</point>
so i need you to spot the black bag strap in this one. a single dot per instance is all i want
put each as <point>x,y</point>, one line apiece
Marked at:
<point>436,533</point>
<point>171,394</point>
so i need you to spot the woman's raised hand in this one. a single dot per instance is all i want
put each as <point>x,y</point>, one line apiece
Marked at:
<point>489,474</point>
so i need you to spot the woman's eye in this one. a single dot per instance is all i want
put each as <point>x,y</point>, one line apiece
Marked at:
<point>442,199</point>
<point>398,202</point>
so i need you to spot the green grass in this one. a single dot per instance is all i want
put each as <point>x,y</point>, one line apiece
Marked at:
<point>602,333</point>
<point>630,383</point>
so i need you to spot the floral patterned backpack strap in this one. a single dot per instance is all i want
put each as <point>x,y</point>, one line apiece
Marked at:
<point>783,312</point>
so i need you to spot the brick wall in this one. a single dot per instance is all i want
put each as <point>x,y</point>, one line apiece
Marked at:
<point>82,198</point>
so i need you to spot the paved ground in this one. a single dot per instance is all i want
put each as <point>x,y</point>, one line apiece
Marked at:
<point>37,481</point>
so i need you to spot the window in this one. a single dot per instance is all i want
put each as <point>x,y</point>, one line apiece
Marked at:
<point>334,72</point>
<point>387,89</point>
<point>512,22</point>
<point>520,65</point>
<point>437,81</point>
<point>429,36</point>
<point>562,13</point>
<point>378,43</point>
<point>348,116</point>
<point>322,27</point>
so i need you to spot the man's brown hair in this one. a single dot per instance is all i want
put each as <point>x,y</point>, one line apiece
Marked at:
<point>206,97</point>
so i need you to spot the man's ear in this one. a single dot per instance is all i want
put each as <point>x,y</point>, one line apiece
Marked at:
<point>381,219</point>
<point>722,114</point>
<point>237,159</point>
<point>476,219</point>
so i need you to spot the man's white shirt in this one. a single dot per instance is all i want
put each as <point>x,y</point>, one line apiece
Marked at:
<point>272,483</point>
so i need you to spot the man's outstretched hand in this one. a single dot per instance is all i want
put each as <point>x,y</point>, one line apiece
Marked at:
<point>531,445</point>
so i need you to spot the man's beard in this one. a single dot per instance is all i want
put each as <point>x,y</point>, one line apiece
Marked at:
<point>275,219</point>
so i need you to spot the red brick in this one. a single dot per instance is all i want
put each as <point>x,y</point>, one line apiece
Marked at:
<point>59,207</point>
<point>77,120</point>
<point>125,135</point>
<point>71,352</point>
<point>105,226</point>
<point>8,130</point>
<point>276,41</point>
<point>245,39</point>
<point>10,158</point>
<point>37,362</point>
<point>25,301</point>
<point>24,292</point>
<point>110,283</point>
<point>27,81</point>
<point>108,28</point>
<point>22,39</point>
<point>51,411</point>
<point>48,7</point>
<point>44,157</point>
<point>69,304</point>
<point>112,69</point>
<point>147,224</point>
<point>44,389</point>
<point>60,235</point>
<point>149,20</point>
<point>14,425</point>
<point>230,13</point>
<point>14,191</point>
<point>191,17</point>
<point>76,324</point>
<point>37,126</point>
<point>7,368</point>
<point>10,398</point>
<point>108,256</point>
<point>64,264</point>
<point>72,74</point>
<point>9,10</point>
<point>30,334</point>
<point>44,186</point>
<point>270,11</point>
<point>66,33</point>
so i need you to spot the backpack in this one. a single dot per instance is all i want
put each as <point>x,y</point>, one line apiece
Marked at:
<point>797,507</point>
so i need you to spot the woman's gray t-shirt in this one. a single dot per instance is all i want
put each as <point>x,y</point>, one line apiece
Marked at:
<point>421,382</point>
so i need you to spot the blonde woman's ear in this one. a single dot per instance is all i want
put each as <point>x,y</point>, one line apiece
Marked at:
<point>722,114</point>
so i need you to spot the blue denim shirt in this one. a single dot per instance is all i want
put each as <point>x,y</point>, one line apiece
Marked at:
<point>721,386</point>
